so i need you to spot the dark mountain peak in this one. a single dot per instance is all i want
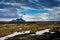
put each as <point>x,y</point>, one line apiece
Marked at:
<point>18,20</point>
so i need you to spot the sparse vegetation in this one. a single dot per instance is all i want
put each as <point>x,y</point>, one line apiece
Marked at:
<point>6,29</point>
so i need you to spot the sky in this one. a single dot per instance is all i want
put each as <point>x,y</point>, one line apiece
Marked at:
<point>30,10</point>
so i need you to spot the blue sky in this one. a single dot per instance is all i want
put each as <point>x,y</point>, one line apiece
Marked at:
<point>45,9</point>
<point>32,11</point>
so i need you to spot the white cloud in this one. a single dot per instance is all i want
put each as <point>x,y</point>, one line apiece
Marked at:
<point>10,3</point>
<point>7,19</point>
<point>8,14</point>
<point>36,17</point>
<point>53,15</point>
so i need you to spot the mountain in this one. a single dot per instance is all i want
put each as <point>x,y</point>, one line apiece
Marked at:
<point>18,20</point>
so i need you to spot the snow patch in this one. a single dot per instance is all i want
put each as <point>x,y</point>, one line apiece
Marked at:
<point>41,32</point>
<point>14,34</point>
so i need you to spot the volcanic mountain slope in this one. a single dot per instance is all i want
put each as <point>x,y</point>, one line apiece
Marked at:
<point>18,20</point>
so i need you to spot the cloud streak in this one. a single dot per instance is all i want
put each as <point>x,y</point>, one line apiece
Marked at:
<point>8,13</point>
<point>14,8</point>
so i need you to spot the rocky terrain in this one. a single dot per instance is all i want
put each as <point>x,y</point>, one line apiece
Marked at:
<point>45,36</point>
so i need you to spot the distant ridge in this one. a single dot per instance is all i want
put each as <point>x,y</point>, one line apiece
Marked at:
<point>41,22</point>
